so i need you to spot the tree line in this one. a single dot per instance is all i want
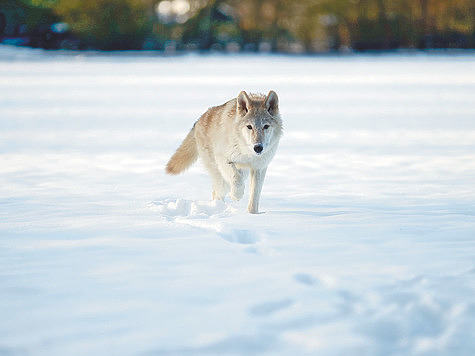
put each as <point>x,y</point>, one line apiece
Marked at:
<point>266,25</point>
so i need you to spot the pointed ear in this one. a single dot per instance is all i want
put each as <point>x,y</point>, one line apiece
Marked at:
<point>243,103</point>
<point>272,103</point>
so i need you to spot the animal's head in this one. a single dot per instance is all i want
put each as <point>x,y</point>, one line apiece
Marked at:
<point>259,120</point>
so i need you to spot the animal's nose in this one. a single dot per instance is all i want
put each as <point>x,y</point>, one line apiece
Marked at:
<point>258,148</point>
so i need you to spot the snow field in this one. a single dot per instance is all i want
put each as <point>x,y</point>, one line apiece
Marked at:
<point>366,246</point>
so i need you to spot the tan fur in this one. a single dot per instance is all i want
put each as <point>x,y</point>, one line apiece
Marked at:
<point>233,140</point>
<point>184,156</point>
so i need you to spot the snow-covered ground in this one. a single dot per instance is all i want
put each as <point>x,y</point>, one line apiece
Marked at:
<point>366,246</point>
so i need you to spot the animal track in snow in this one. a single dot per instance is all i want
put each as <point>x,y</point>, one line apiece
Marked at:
<point>239,236</point>
<point>307,279</point>
<point>270,307</point>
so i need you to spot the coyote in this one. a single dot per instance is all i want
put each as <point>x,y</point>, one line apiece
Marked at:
<point>233,139</point>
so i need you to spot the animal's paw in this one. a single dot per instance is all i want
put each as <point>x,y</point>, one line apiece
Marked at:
<point>220,189</point>
<point>237,192</point>
<point>253,208</point>
<point>217,196</point>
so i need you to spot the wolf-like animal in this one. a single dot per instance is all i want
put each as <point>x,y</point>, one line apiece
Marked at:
<point>233,139</point>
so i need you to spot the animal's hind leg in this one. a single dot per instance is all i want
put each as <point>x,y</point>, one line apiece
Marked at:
<point>220,186</point>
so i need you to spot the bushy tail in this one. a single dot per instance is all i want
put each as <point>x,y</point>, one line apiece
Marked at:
<point>184,156</point>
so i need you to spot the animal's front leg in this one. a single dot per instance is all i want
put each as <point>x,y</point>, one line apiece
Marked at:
<point>257,179</point>
<point>237,183</point>
<point>233,176</point>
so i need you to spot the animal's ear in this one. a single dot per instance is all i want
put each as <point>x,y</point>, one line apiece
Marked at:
<point>243,103</point>
<point>272,103</point>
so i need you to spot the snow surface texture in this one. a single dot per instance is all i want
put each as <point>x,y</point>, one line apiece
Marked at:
<point>366,246</point>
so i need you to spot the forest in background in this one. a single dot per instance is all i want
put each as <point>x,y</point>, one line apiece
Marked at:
<point>305,26</point>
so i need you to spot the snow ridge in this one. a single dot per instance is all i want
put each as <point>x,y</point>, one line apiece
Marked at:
<point>207,215</point>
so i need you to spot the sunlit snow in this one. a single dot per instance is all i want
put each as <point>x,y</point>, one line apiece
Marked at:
<point>367,241</point>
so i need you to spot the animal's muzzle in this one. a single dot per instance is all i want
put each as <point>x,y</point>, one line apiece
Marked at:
<point>258,148</point>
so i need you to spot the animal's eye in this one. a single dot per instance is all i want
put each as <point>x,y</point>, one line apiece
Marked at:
<point>266,127</point>
<point>249,127</point>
